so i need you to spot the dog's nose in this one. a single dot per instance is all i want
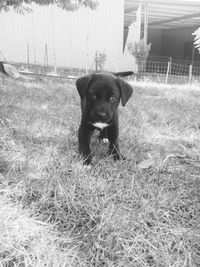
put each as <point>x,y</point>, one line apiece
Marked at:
<point>102,114</point>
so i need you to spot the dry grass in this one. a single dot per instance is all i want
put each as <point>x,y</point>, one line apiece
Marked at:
<point>144,211</point>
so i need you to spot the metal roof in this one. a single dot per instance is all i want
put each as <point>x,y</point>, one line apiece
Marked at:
<point>165,14</point>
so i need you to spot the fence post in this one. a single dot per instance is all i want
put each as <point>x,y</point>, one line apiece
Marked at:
<point>168,71</point>
<point>28,55</point>
<point>96,59</point>
<point>116,64</point>
<point>87,55</point>
<point>46,62</point>
<point>142,66</point>
<point>170,59</point>
<point>190,74</point>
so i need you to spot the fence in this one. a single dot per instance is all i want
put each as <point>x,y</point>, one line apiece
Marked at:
<point>176,59</point>
<point>169,72</point>
<point>161,70</point>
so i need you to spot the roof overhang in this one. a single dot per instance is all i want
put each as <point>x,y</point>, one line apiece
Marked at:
<point>165,14</point>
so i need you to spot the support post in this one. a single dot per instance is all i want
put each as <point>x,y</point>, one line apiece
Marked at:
<point>146,16</point>
<point>145,23</point>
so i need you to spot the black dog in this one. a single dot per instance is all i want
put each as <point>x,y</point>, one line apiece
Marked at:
<point>100,96</point>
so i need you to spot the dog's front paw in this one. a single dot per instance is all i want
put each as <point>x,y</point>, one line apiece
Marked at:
<point>103,137</point>
<point>87,160</point>
<point>86,156</point>
<point>104,140</point>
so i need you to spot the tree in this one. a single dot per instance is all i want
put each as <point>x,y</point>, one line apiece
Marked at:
<point>197,39</point>
<point>140,51</point>
<point>23,5</point>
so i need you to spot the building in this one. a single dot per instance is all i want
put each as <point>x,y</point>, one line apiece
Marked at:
<point>169,27</point>
<point>52,36</point>
<point>69,39</point>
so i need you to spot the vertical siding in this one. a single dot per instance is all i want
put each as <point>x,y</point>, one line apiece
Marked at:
<point>71,35</point>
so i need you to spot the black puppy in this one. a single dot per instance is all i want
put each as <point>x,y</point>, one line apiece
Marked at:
<point>100,96</point>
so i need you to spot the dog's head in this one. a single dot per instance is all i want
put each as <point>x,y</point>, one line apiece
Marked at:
<point>101,94</point>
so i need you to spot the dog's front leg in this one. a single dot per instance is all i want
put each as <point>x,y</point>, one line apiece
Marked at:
<point>113,133</point>
<point>84,138</point>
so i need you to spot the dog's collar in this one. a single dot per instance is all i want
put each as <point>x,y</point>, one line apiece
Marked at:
<point>99,125</point>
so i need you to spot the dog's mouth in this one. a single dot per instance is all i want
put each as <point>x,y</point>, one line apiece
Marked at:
<point>100,117</point>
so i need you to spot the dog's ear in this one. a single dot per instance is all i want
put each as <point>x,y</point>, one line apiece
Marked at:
<point>125,90</point>
<point>82,84</point>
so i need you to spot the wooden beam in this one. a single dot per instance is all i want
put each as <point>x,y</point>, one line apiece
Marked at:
<point>162,2</point>
<point>175,19</point>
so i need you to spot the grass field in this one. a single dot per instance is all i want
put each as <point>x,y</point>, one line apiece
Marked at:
<point>144,211</point>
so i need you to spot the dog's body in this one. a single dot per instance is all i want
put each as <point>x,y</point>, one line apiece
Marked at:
<point>100,96</point>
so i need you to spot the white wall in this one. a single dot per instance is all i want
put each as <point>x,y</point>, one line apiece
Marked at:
<point>71,35</point>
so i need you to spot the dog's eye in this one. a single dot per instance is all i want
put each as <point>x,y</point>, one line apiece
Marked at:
<point>112,99</point>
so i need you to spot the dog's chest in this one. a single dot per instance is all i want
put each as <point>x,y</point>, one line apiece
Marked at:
<point>100,125</point>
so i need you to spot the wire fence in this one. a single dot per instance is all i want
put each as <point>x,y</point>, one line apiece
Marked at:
<point>176,59</point>
<point>156,69</point>
<point>169,72</point>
